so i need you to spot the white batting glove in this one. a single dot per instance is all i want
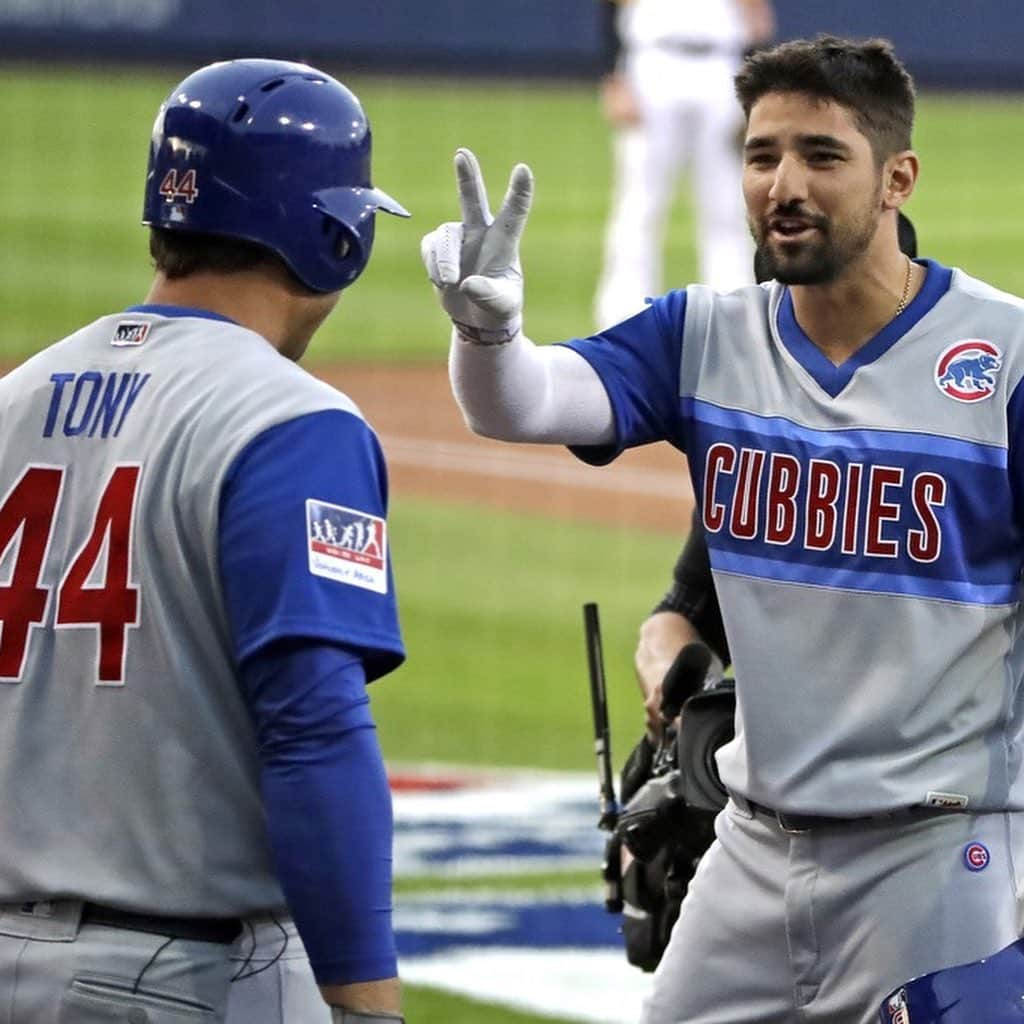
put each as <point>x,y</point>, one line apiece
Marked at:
<point>474,265</point>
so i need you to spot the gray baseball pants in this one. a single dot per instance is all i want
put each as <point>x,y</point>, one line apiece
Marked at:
<point>818,927</point>
<point>56,970</point>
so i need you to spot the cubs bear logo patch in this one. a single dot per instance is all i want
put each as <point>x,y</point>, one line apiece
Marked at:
<point>966,370</point>
<point>347,545</point>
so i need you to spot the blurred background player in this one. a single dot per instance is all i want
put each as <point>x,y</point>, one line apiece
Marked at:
<point>668,95</point>
<point>186,747</point>
<point>689,611</point>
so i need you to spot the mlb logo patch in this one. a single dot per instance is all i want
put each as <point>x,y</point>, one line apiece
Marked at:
<point>935,798</point>
<point>347,545</point>
<point>966,370</point>
<point>130,332</point>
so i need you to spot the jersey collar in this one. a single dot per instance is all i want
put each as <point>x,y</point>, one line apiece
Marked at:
<point>832,379</point>
<point>176,311</point>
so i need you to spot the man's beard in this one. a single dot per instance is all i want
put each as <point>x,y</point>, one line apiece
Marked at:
<point>820,260</point>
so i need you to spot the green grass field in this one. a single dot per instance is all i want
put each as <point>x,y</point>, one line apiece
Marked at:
<point>490,603</point>
<point>491,607</point>
<point>71,248</point>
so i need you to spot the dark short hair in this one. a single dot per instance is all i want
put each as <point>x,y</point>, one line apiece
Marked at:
<point>180,253</point>
<point>864,76</point>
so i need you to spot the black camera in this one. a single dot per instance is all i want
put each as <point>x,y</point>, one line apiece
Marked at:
<point>667,823</point>
<point>708,723</point>
<point>671,793</point>
<point>670,807</point>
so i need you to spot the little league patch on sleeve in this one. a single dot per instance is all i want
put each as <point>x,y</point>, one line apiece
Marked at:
<point>346,545</point>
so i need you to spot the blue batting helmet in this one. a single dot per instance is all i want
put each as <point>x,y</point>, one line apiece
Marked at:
<point>272,152</point>
<point>989,991</point>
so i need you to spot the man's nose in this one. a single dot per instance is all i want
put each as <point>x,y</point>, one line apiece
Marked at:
<point>790,183</point>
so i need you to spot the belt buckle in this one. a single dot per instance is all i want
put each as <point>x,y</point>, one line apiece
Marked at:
<point>785,825</point>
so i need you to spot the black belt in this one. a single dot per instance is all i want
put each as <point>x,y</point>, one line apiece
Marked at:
<point>692,48</point>
<point>795,823</point>
<point>223,930</point>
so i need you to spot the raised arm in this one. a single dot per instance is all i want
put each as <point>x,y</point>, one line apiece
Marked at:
<point>506,386</point>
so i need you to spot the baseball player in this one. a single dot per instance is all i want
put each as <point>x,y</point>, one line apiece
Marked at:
<point>689,611</point>
<point>667,93</point>
<point>852,430</point>
<point>186,749</point>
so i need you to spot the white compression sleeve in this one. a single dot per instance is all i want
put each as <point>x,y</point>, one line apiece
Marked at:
<point>520,391</point>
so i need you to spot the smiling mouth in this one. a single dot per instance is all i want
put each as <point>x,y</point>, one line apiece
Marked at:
<point>788,230</point>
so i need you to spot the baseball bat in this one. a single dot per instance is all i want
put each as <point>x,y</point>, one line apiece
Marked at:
<point>599,702</point>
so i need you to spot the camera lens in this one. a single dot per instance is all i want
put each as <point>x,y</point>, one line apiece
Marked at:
<point>716,739</point>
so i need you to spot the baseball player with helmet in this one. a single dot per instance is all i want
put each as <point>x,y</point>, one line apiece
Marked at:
<point>853,430</point>
<point>186,749</point>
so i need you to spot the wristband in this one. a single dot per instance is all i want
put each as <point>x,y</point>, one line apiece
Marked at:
<point>485,336</point>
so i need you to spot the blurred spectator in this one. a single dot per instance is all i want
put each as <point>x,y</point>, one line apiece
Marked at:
<point>668,95</point>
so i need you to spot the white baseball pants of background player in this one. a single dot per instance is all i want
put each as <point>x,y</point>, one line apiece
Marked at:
<point>819,926</point>
<point>690,119</point>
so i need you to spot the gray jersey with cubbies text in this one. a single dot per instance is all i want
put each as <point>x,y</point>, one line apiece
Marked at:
<point>866,531</point>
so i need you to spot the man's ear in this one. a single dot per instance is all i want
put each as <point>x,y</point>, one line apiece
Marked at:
<point>900,177</point>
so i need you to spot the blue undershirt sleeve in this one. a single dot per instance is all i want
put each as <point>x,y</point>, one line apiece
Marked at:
<point>328,804</point>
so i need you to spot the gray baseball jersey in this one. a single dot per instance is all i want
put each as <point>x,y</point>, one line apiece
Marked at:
<point>866,534</point>
<point>127,758</point>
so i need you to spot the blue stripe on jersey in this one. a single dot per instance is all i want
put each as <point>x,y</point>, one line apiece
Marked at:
<point>832,378</point>
<point>878,511</point>
<point>159,309</point>
<point>857,439</point>
<point>328,804</point>
<point>330,457</point>
<point>1015,423</point>
<point>877,582</point>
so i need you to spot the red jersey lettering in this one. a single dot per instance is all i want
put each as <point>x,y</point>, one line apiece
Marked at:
<point>880,511</point>
<point>781,510</point>
<point>823,484</point>
<point>927,492</point>
<point>745,518</point>
<point>721,458</point>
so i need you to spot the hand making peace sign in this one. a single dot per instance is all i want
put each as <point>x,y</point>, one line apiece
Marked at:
<point>474,264</point>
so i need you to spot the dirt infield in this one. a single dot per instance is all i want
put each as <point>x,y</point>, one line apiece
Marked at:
<point>431,453</point>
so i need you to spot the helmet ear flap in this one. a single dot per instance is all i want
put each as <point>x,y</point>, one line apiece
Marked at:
<point>346,249</point>
<point>343,246</point>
